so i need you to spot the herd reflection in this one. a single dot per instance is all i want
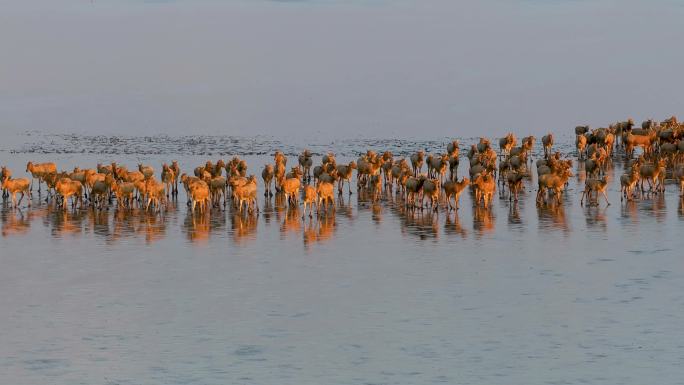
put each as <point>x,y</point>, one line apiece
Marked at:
<point>241,228</point>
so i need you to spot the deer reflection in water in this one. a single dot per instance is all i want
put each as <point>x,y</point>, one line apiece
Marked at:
<point>15,222</point>
<point>376,209</point>
<point>453,226</point>
<point>197,226</point>
<point>98,221</point>
<point>153,226</point>
<point>344,209</point>
<point>366,201</point>
<point>421,223</point>
<point>274,207</point>
<point>629,209</point>
<point>483,220</point>
<point>292,221</point>
<point>552,217</point>
<point>243,227</point>
<point>268,210</point>
<point>319,229</point>
<point>595,217</point>
<point>515,221</point>
<point>65,222</point>
<point>657,208</point>
<point>129,223</point>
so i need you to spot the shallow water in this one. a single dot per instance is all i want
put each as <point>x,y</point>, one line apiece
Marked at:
<point>371,295</point>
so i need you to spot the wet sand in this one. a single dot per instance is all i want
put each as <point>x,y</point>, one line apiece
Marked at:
<point>514,294</point>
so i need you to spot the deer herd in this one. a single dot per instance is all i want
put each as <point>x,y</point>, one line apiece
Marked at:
<point>424,181</point>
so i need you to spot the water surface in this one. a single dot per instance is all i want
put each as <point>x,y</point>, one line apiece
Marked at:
<point>373,294</point>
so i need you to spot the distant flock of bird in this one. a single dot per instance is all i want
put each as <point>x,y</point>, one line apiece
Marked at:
<point>660,157</point>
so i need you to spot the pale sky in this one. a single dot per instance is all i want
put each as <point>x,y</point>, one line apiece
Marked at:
<point>325,69</point>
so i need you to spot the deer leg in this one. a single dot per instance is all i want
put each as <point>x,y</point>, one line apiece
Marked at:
<point>605,196</point>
